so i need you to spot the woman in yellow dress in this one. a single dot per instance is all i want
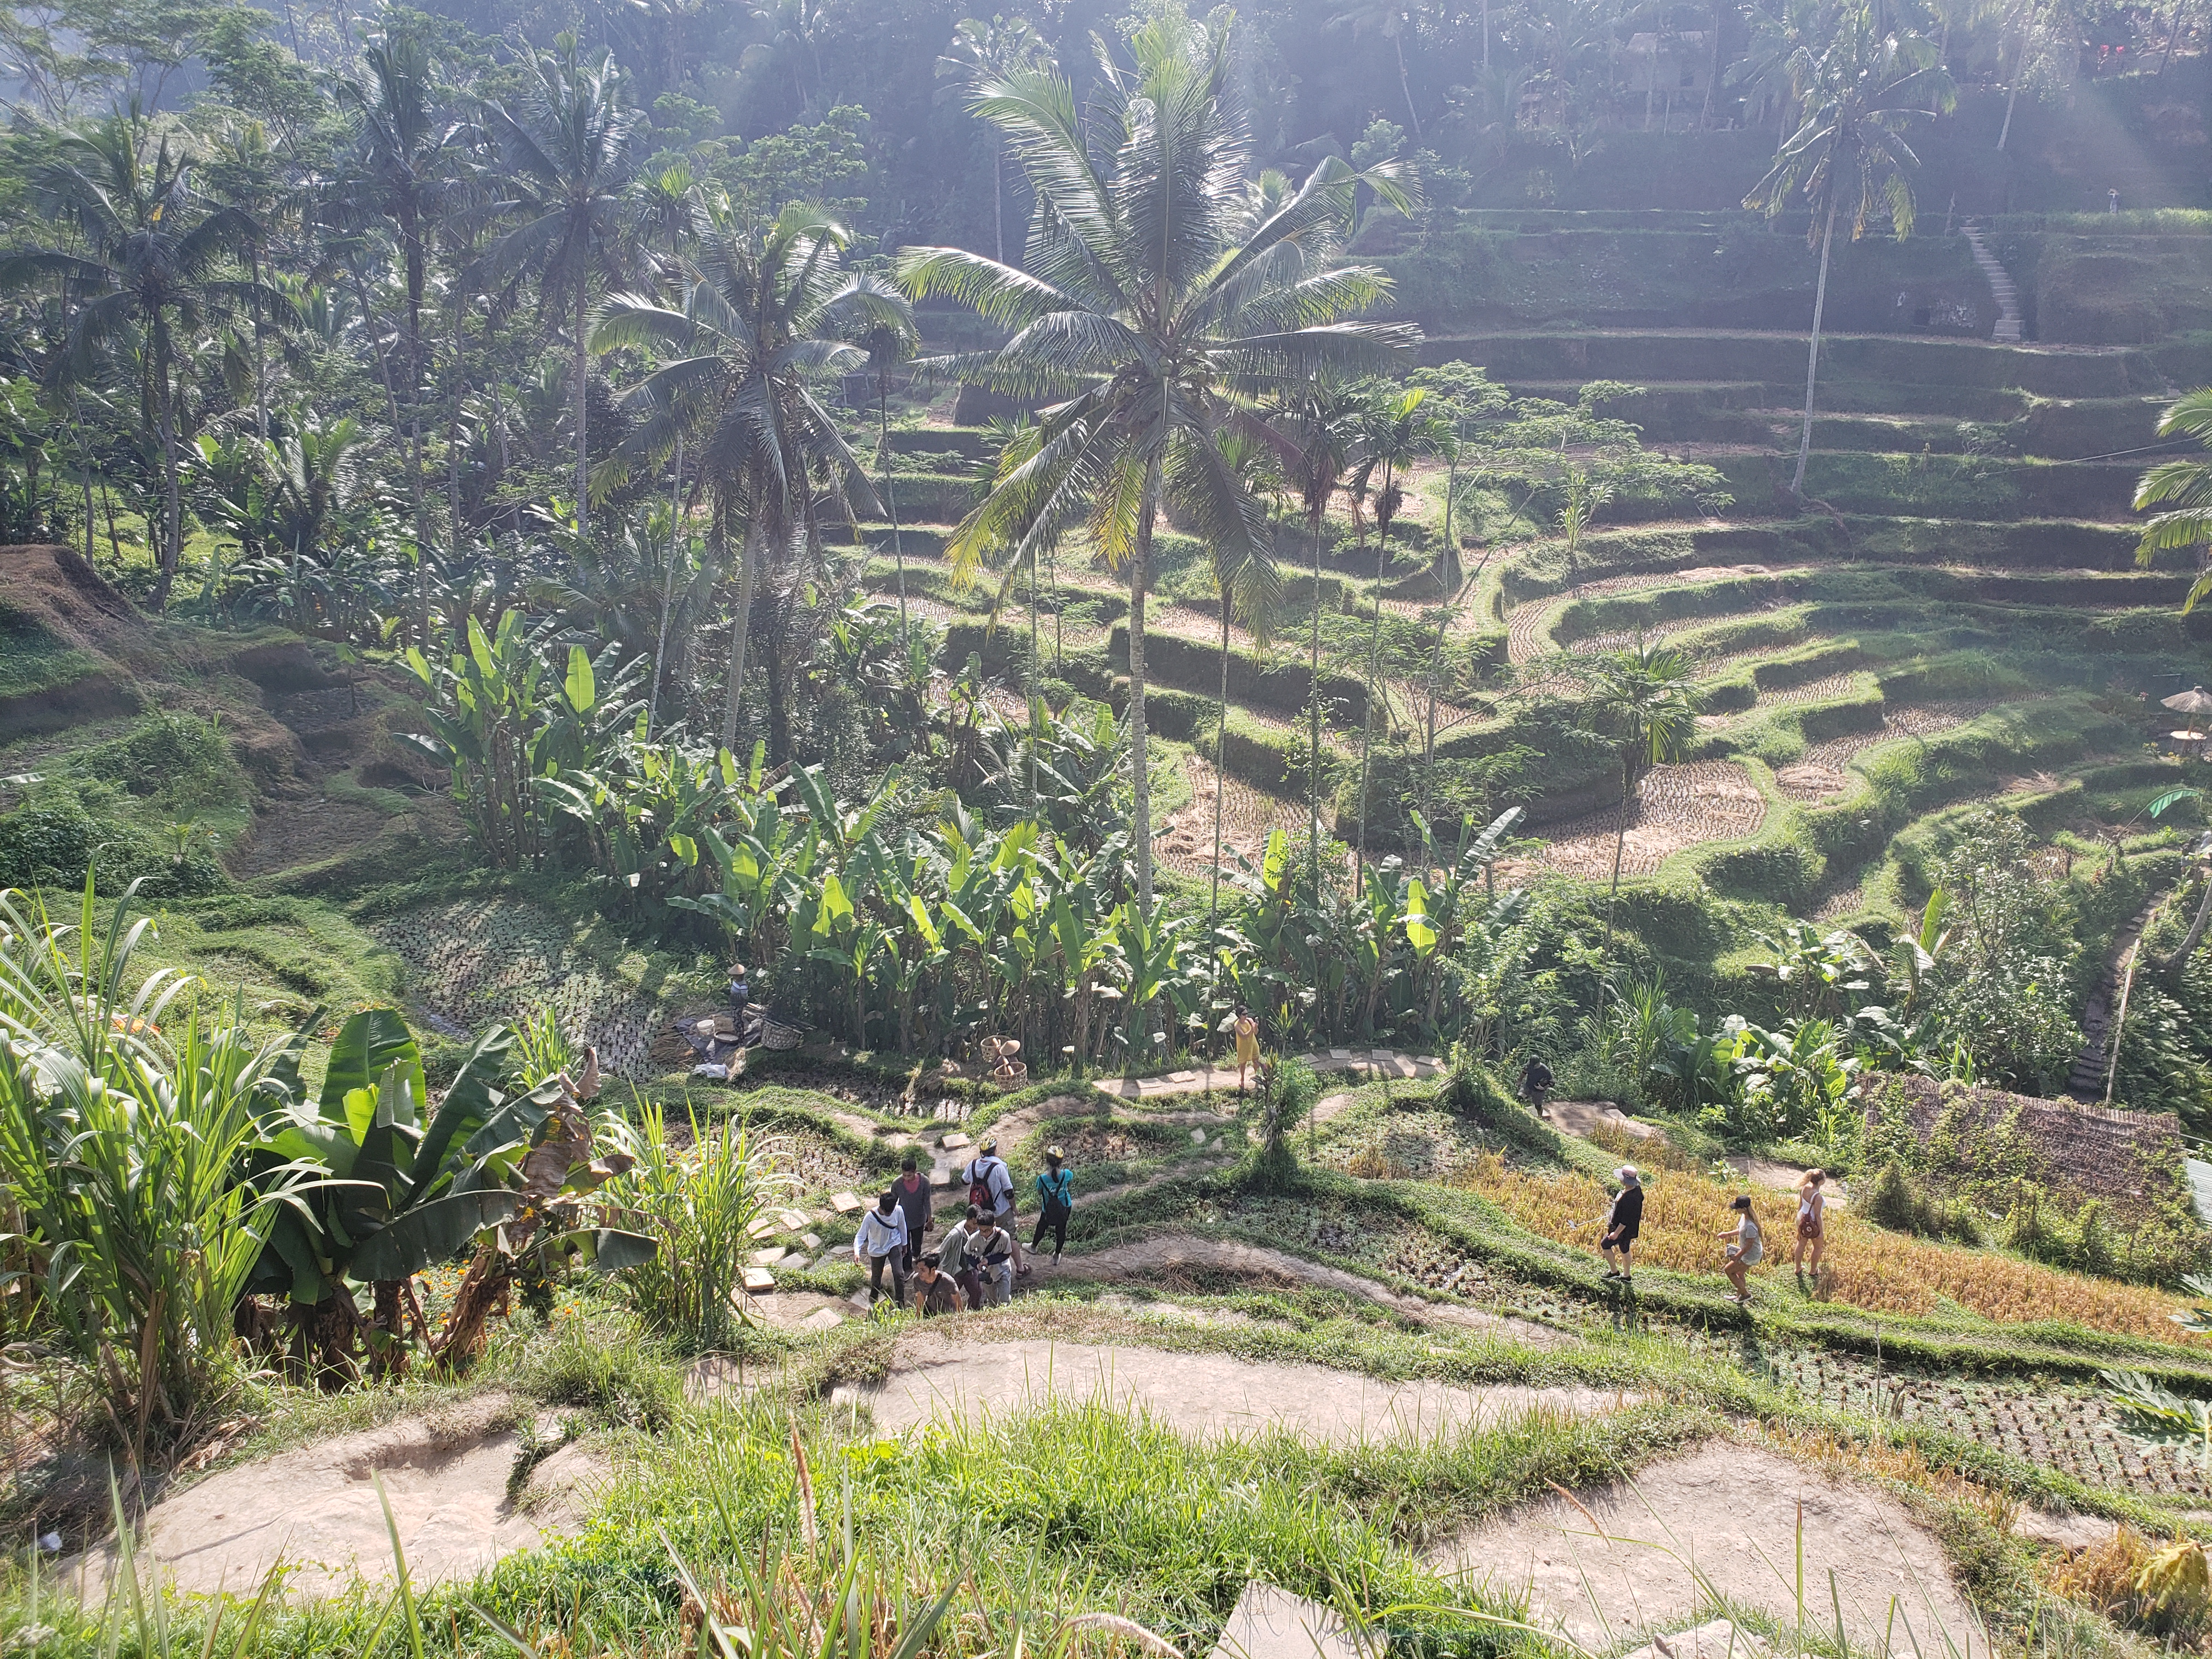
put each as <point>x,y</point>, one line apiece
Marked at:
<point>1247,1043</point>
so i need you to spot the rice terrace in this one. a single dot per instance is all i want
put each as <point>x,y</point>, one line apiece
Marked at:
<point>1291,831</point>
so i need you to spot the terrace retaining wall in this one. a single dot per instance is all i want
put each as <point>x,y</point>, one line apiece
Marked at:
<point>2114,1155</point>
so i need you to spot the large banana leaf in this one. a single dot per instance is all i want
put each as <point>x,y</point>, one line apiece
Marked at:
<point>368,1044</point>
<point>471,1100</point>
<point>430,1233</point>
<point>607,1250</point>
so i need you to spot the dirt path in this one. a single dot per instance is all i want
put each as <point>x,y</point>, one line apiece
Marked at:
<point>1169,1257</point>
<point>316,1509</point>
<point>1620,1557</point>
<point>936,1379</point>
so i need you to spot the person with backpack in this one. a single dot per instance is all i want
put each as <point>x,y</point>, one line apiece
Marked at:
<point>957,1257</point>
<point>992,1252</point>
<point>881,1242</point>
<point>1056,1189</point>
<point>991,1190</point>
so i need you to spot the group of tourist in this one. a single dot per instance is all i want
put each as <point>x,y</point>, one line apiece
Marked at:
<point>975,1262</point>
<point>1746,1247</point>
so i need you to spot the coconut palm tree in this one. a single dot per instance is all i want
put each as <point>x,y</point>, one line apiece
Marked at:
<point>767,313</point>
<point>153,263</point>
<point>1397,431</point>
<point>403,169</point>
<point>1248,585</point>
<point>1147,303</point>
<point>565,153</point>
<point>1316,423</point>
<point>980,53</point>
<point>1859,91</point>
<point>2181,491</point>
<point>1645,697</point>
<point>1393,19</point>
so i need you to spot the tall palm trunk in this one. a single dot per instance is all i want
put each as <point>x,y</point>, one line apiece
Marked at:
<point>173,505</point>
<point>999,197</point>
<point>1813,349</point>
<point>1313,703</point>
<point>1374,681</point>
<point>667,590</point>
<point>583,448</point>
<point>742,629</point>
<point>890,500</point>
<point>1407,87</point>
<point>1139,749</point>
<point>1220,759</point>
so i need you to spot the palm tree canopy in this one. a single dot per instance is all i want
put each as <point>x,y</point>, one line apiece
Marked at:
<point>1148,296</point>
<point>2180,490</point>
<point>566,147</point>
<point>1645,697</point>
<point>765,315</point>
<point>1859,91</point>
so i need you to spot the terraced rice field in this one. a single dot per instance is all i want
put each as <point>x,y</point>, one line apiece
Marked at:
<point>1675,807</point>
<point>1819,775</point>
<point>1249,815</point>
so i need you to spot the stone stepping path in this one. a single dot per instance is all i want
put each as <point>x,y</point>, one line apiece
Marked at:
<point>1372,1063</point>
<point>1268,1623</point>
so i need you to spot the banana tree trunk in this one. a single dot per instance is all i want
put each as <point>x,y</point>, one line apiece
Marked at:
<point>1812,351</point>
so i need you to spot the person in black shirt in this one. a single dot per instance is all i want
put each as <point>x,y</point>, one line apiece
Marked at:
<point>1623,1222</point>
<point>1536,1083</point>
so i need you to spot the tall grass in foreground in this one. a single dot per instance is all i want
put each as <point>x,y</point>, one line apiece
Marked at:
<point>1867,1267</point>
<point>124,1121</point>
<point>698,1201</point>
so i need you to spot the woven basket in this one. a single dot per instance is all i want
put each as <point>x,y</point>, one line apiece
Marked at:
<point>774,1034</point>
<point>1010,1075</point>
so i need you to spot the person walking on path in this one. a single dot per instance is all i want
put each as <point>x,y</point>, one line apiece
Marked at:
<point>957,1257</point>
<point>1056,1189</point>
<point>1744,1253</point>
<point>992,1250</point>
<point>1622,1222</point>
<point>912,1191</point>
<point>1812,1233</point>
<point>991,1190</point>
<point>881,1242</point>
<point>1247,1030</point>
<point>1536,1083</point>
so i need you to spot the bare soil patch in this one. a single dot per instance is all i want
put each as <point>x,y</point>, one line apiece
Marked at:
<point>1620,1557</point>
<point>315,1509</point>
<point>292,834</point>
<point>936,1379</point>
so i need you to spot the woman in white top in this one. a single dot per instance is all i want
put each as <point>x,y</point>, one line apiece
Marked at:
<point>1749,1246</point>
<point>1812,1209</point>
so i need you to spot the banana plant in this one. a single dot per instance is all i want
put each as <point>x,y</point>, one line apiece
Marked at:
<point>401,1186</point>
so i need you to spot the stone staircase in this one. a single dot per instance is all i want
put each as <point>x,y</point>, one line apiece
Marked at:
<point>2002,289</point>
<point>2101,1012</point>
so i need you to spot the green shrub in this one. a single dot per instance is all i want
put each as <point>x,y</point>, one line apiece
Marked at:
<point>1287,1095</point>
<point>53,843</point>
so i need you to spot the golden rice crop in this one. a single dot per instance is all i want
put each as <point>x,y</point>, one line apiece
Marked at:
<point>1867,1267</point>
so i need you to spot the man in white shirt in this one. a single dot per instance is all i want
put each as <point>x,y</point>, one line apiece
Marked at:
<point>881,1241</point>
<point>988,1177</point>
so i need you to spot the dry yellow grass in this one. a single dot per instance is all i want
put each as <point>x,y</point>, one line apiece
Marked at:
<point>1867,1266</point>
